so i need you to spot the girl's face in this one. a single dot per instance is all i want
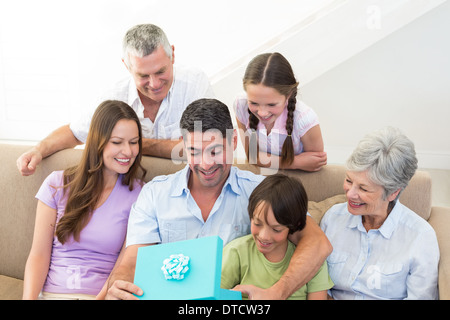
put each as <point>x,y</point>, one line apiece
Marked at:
<point>122,148</point>
<point>270,236</point>
<point>266,103</point>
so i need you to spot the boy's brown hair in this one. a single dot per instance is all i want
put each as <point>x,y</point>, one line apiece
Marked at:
<point>286,196</point>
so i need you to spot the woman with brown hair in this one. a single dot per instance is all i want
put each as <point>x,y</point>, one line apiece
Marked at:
<point>272,121</point>
<point>82,212</point>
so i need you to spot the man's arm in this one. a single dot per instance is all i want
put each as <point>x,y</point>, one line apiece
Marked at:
<point>163,148</point>
<point>312,249</point>
<point>61,138</point>
<point>120,284</point>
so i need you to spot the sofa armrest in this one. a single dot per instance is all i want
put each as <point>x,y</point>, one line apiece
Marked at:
<point>440,221</point>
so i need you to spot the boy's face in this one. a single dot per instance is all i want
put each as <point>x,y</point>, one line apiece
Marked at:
<point>271,237</point>
<point>210,157</point>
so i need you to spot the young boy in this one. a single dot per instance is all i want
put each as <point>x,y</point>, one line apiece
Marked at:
<point>277,208</point>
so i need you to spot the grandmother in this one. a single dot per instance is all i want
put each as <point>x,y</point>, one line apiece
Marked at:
<point>382,249</point>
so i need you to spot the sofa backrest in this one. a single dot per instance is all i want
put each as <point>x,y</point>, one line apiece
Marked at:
<point>18,203</point>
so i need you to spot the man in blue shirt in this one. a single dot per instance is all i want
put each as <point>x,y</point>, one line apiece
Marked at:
<point>208,197</point>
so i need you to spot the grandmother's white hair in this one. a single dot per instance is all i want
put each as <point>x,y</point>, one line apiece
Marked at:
<point>142,40</point>
<point>389,158</point>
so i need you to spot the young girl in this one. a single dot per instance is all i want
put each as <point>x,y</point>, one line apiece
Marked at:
<point>272,122</point>
<point>277,208</point>
<point>82,212</point>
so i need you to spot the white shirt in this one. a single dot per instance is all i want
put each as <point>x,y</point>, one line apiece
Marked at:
<point>189,84</point>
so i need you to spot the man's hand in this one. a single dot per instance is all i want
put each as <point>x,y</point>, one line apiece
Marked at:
<point>28,162</point>
<point>123,290</point>
<point>61,138</point>
<point>256,293</point>
<point>163,148</point>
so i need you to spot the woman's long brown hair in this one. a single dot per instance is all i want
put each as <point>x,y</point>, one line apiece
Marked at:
<point>83,183</point>
<point>274,71</point>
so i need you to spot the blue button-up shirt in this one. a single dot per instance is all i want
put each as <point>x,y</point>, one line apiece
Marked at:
<point>397,261</point>
<point>165,210</point>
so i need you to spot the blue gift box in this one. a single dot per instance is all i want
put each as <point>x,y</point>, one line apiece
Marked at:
<point>200,282</point>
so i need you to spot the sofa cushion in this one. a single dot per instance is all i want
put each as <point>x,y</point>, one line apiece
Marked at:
<point>417,195</point>
<point>318,209</point>
<point>10,288</point>
<point>439,220</point>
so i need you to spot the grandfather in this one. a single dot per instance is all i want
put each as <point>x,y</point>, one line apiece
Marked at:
<point>156,90</point>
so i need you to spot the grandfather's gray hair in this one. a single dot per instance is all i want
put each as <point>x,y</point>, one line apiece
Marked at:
<point>388,156</point>
<point>142,40</point>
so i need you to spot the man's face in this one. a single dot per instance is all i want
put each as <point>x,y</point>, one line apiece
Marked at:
<point>210,157</point>
<point>153,74</point>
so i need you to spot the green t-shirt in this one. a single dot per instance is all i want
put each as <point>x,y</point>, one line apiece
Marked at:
<point>244,264</point>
